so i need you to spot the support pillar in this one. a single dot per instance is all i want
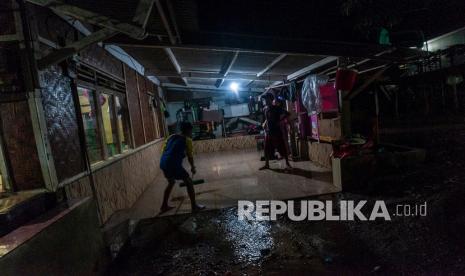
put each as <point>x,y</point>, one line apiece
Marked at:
<point>344,105</point>
<point>32,86</point>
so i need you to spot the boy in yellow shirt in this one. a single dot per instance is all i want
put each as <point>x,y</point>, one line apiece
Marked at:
<point>175,149</point>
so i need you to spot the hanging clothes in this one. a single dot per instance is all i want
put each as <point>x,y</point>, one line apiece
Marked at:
<point>292,91</point>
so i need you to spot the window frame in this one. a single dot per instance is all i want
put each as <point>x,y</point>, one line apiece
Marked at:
<point>113,94</point>
<point>97,92</point>
<point>86,85</point>
<point>111,105</point>
<point>129,144</point>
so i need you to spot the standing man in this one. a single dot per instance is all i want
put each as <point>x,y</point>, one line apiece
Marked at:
<point>274,138</point>
<point>176,147</point>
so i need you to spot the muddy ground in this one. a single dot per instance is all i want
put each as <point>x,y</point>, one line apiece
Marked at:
<point>216,243</point>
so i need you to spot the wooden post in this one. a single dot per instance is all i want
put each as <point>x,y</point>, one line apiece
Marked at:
<point>345,114</point>
<point>27,32</point>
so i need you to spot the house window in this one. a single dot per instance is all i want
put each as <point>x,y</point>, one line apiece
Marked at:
<point>106,122</point>
<point>110,126</point>
<point>87,100</point>
<point>122,117</point>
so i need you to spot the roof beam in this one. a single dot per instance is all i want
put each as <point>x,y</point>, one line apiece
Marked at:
<point>143,11</point>
<point>230,76</point>
<point>113,49</point>
<point>71,49</point>
<point>279,45</point>
<point>173,20</point>
<point>91,17</point>
<point>175,63</point>
<point>311,67</point>
<point>226,68</point>
<point>206,87</point>
<point>333,69</point>
<point>271,65</point>
<point>303,71</point>
<point>165,21</point>
<point>368,82</point>
<point>133,44</point>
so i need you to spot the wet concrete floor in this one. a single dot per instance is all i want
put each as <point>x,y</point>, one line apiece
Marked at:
<point>217,243</point>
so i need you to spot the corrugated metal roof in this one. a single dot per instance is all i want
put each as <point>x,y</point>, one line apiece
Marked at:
<point>153,59</point>
<point>200,60</point>
<point>210,82</point>
<point>260,84</point>
<point>291,64</point>
<point>252,62</point>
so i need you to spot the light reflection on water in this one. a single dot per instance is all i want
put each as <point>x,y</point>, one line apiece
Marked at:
<point>250,239</point>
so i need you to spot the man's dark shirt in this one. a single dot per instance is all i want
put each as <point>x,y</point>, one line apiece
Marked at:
<point>273,116</point>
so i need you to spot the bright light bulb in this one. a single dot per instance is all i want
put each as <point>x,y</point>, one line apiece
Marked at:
<point>234,87</point>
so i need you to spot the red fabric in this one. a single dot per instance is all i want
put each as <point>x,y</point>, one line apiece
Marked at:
<point>329,101</point>
<point>345,79</point>
<point>273,142</point>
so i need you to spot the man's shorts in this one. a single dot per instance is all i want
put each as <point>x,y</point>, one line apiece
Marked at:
<point>178,173</point>
<point>273,142</point>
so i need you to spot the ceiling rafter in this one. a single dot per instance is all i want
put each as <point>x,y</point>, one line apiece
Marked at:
<point>165,21</point>
<point>71,49</point>
<point>173,41</point>
<point>226,68</point>
<point>272,64</point>
<point>176,65</point>
<point>274,45</point>
<point>230,76</point>
<point>93,18</point>
<point>143,12</point>
<point>311,68</point>
<point>173,20</point>
<point>204,87</point>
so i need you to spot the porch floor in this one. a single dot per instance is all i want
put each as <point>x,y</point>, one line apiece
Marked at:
<point>233,176</point>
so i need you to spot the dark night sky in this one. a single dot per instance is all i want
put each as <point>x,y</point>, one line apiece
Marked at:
<point>329,19</point>
<point>336,20</point>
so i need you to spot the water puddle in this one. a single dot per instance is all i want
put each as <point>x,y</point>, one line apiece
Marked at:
<point>250,240</point>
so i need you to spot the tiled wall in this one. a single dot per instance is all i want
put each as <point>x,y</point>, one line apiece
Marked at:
<point>320,154</point>
<point>225,144</point>
<point>62,126</point>
<point>120,184</point>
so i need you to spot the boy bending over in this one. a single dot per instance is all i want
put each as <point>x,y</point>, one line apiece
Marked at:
<point>176,147</point>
